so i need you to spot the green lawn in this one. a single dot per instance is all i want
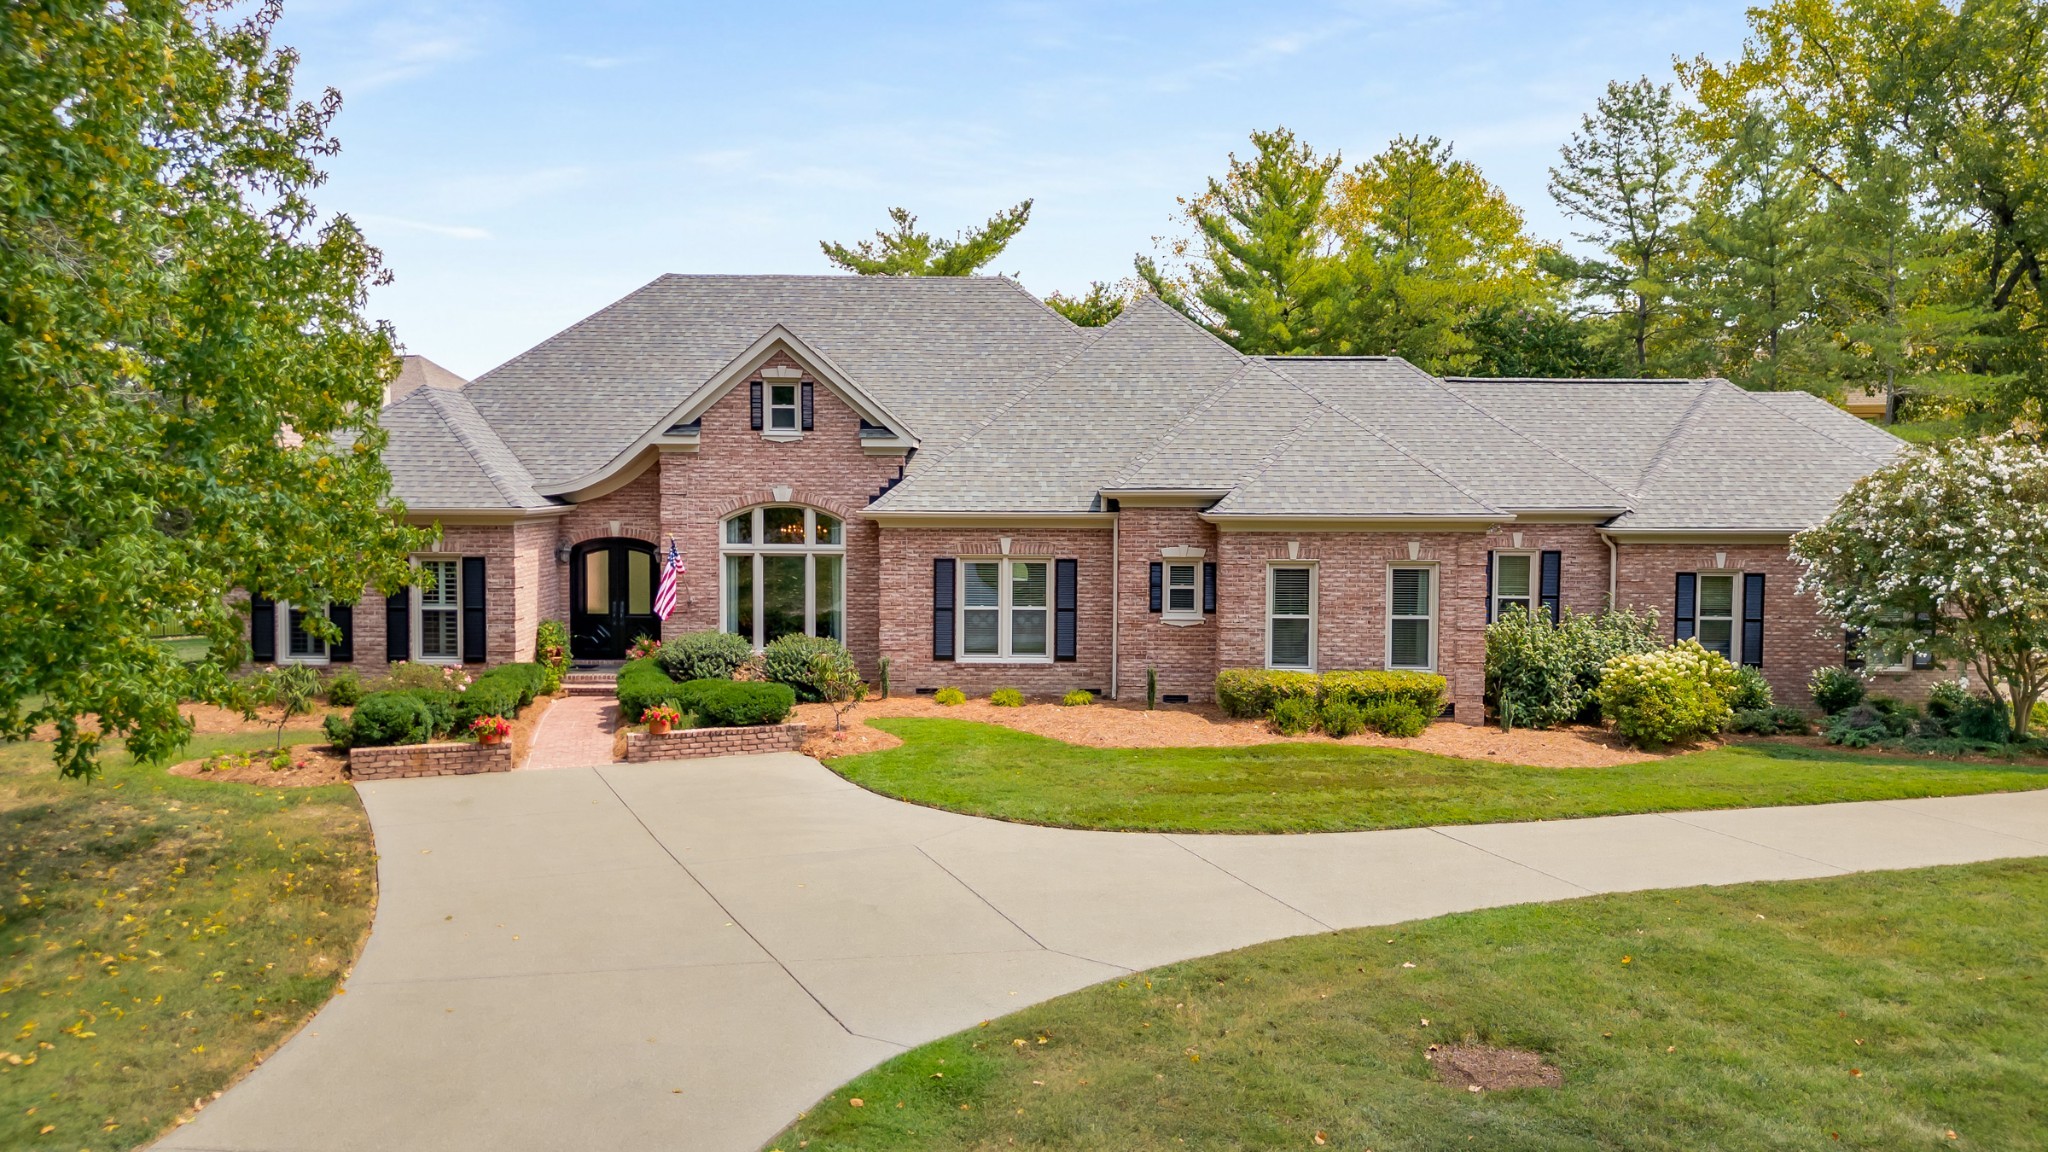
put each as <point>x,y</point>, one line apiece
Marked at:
<point>1314,787</point>
<point>158,934</point>
<point>1878,1011</point>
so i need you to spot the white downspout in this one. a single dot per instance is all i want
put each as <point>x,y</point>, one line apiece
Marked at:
<point>1613,571</point>
<point>1116,613</point>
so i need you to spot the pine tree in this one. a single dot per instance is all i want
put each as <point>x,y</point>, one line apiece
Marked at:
<point>906,251</point>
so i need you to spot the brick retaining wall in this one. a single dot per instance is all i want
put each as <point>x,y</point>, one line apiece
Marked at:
<point>452,758</point>
<point>693,743</point>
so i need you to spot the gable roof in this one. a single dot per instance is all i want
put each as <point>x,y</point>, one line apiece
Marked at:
<point>417,372</point>
<point>442,455</point>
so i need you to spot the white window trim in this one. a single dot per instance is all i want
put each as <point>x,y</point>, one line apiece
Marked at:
<point>1315,586</point>
<point>1535,596</point>
<point>283,612</point>
<point>419,608</point>
<point>1186,616</point>
<point>1004,609</point>
<point>795,408</point>
<point>1734,610</point>
<point>809,551</point>
<point>1435,631</point>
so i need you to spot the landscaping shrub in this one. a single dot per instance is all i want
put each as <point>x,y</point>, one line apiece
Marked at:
<point>340,730</point>
<point>1871,722</point>
<point>735,703</point>
<point>551,650</point>
<point>793,660</point>
<point>1835,689</point>
<point>442,705</point>
<point>1248,693</point>
<point>1751,692</point>
<point>489,696</point>
<point>949,697</point>
<point>1954,713</point>
<point>1397,718</point>
<point>345,689</point>
<point>706,655</point>
<point>1341,718</point>
<point>1549,674</point>
<point>1078,698</point>
<point>642,685</point>
<point>1777,720</point>
<point>1423,691</point>
<point>1674,694</point>
<point>1006,698</point>
<point>1293,716</point>
<point>390,718</point>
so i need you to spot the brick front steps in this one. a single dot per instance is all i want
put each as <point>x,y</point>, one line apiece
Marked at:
<point>597,683</point>
<point>452,758</point>
<point>693,743</point>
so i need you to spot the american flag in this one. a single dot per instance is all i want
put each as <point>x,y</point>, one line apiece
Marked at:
<point>671,569</point>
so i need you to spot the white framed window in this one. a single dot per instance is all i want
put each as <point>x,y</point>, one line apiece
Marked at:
<point>295,645</point>
<point>1514,582</point>
<point>1183,595</point>
<point>1411,617</point>
<point>1291,616</point>
<point>783,571</point>
<point>1718,610</point>
<point>1006,610</point>
<point>783,415</point>
<point>437,611</point>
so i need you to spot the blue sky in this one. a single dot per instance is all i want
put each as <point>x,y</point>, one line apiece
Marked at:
<point>524,164</point>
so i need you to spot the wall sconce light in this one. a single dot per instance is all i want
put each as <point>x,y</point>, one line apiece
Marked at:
<point>562,552</point>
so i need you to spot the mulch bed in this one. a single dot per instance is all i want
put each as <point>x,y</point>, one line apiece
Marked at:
<point>1123,725</point>
<point>1484,1068</point>
<point>312,766</point>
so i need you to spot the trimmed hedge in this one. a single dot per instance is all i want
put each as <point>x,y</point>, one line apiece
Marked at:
<point>706,655</point>
<point>1247,693</point>
<point>385,718</point>
<point>642,685</point>
<point>442,705</point>
<point>735,703</point>
<point>502,691</point>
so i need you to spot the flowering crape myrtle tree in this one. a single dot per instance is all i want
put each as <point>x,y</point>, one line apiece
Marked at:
<point>1945,550</point>
<point>188,388</point>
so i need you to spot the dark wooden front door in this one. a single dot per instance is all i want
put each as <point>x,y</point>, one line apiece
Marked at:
<point>611,597</point>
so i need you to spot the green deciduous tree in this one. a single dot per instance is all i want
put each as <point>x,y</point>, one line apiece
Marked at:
<point>1259,268</point>
<point>1945,550</point>
<point>188,391</point>
<point>1627,174</point>
<point>906,251</point>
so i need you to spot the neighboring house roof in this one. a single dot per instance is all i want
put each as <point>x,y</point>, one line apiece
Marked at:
<point>418,372</point>
<point>1015,410</point>
<point>442,455</point>
<point>940,352</point>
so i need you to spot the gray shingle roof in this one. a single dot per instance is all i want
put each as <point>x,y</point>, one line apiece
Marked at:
<point>937,351</point>
<point>443,455</point>
<point>417,372</point>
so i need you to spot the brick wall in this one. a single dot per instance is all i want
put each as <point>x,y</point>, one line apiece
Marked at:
<point>500,546</point>
<point>1582,563</point>
<point>1351,587</point>
<point>905,609</point>
<point>695,743</point>
<point>1183,655</point>
<point>454,758</point>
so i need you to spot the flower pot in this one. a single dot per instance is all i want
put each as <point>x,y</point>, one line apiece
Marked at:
<point>490,738</point>
<point>657,727</point>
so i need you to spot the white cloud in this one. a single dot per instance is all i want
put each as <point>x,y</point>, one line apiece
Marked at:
<point>452,231</point>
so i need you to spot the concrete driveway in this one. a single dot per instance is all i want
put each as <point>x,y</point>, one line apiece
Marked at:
<point>685,955</point>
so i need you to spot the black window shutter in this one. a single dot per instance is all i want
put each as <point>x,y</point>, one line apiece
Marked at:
<point>1158,589</point>
<point>343,651</point>
<point>1209,588</point>
<point>1684,614</point>
<point>1753,619</point>
<point>1924,660</point>
<point>942,607</point>
<point>1550,591</point>
<point>1852,641</point>
<point>472,609</point>
<point>807,405</point>
<point>262,630</point>
<point>1489,586</point>
<point>1064,599</point>
<point>398,626</point>
<point>754,403</point>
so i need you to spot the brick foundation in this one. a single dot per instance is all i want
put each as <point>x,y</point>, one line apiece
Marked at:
<point>696,743</point>
<point>452,758</point>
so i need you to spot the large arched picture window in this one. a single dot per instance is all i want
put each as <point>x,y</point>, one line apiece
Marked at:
<point>784,571</point>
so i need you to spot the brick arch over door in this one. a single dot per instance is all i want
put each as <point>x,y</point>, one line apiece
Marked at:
<point>631,529</point>
<point>758,496</point>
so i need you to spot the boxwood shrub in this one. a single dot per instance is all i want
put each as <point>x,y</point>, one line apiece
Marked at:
<point>735,703</point>
<point>1424,691</point>
<point>1249,693</point>
<point>443,705</point>
<point>706,655</point>
<point>390,718</point>
<point>502,691</point>
<point>642,685</point>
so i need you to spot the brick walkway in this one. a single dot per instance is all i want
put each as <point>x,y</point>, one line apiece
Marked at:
<point>576,732</point>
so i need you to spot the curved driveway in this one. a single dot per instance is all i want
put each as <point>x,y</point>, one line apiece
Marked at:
<point>684,955</point>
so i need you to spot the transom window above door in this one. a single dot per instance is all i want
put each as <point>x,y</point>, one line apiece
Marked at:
<point>783,572</point>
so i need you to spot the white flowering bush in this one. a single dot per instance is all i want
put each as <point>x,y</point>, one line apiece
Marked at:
<point>1668,696</point>
<point>1943,551</point>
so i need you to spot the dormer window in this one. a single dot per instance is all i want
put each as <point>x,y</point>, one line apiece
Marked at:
<point>782,406</point>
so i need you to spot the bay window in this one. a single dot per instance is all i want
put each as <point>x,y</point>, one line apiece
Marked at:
<point>783,572</point>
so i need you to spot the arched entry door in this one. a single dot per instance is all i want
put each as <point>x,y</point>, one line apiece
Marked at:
<point>611,597</point>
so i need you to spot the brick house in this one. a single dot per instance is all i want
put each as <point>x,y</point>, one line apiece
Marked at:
<point>948,474</point>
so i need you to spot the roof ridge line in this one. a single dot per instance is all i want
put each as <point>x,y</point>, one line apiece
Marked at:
<point>1187,418</point>
<point>1032,296</point>
<point>1660,457</point>
<point>1392,443</point>
<point>1454,394</point>
<point>506,488</point>
<point>1813,428</point>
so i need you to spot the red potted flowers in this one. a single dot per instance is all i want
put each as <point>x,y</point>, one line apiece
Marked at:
<point>490,729</point>
<point>661,718</point>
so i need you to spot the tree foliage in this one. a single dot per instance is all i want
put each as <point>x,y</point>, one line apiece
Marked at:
<point>1945,550</point>
<point>1095,308</point>
<point>907,251</point>
<point>188,394</point>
